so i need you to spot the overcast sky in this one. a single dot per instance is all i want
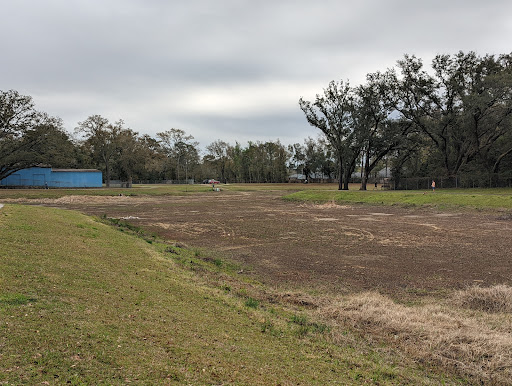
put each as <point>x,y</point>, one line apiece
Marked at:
<point>223,69</point>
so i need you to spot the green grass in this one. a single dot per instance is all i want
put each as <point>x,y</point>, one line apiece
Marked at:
<point>252,303</point>
<point>455,198</point>
<point>495,198</point>
<point>83,303</point>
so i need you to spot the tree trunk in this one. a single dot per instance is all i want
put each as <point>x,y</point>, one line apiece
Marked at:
<point>346,178</point>
<point>340,173</point>
<point>397,178</point>
<point>349,169</point>
<point>366,171</point>
<point>498,161</point>
<point>107,174</point>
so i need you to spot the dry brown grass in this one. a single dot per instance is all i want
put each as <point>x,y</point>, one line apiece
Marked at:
<point>477,345</point>
<point>492,299</point>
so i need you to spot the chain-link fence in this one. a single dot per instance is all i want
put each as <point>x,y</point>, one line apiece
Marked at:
<point>459,181</point>
<point>180,182</point>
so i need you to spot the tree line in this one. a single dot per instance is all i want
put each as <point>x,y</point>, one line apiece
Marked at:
<point>450,119</point>
<point>30,138</point>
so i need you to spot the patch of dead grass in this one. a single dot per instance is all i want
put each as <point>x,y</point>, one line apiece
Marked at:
<point>491,299</point>
<point>478,346</point>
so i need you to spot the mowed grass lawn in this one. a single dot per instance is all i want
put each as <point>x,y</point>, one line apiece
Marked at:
<point>83,303</point>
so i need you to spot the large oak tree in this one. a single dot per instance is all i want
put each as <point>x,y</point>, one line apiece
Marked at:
<point>29,137</point>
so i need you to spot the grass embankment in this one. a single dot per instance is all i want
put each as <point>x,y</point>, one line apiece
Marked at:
<point>81,302</point>
<point>471,198</point>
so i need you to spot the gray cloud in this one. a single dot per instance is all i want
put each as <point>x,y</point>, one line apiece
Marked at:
<point>229,69</point>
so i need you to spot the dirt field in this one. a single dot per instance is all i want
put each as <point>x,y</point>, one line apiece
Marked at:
<point>398,251</point>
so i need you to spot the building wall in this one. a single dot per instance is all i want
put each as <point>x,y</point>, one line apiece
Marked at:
<point>55,178</point>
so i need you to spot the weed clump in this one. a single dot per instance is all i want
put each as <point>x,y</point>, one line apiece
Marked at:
<point>252,303</point>
<point>305,326</point>
<point>497,298</point>
<point>15,299</point>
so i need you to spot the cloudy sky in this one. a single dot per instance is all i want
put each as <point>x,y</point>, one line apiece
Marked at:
<point>223,69</point>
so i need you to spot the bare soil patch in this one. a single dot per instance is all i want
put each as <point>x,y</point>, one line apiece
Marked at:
<point>401,252</point>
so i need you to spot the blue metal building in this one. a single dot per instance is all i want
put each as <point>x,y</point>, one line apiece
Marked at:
<point>55,178</point>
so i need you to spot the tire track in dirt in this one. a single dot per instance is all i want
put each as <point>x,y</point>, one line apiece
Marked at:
<point>396,250</point>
